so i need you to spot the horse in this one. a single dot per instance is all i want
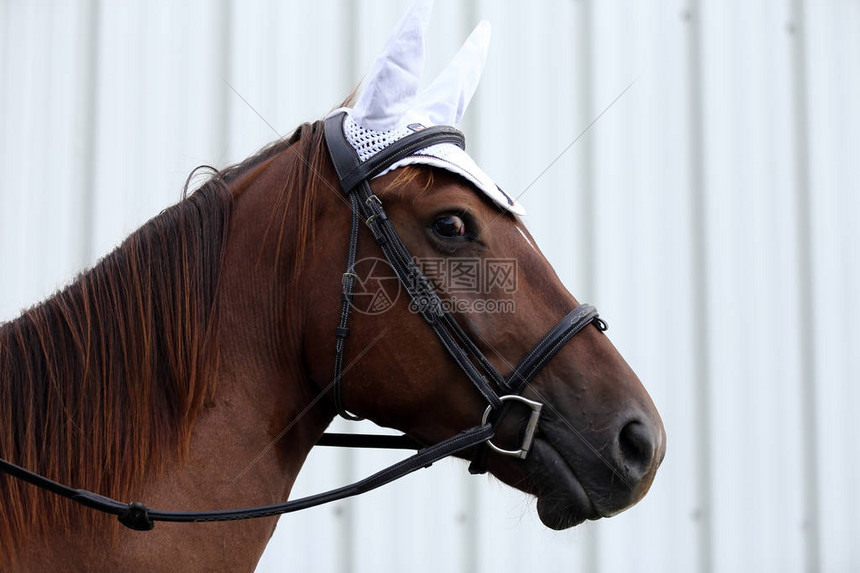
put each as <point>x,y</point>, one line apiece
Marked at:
<point>164,372</point>
<point>191,367</point>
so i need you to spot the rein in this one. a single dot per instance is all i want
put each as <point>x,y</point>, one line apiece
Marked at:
<point>499,392</point>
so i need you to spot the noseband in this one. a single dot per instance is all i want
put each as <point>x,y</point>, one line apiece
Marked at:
<point>498,391</point>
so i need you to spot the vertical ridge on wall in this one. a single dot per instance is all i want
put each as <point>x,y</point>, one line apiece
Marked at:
<point>222,63</point>
<point>700,294</point>
<point>805,294</point>
<point>467,520</point>
<point>584,103</point>
<point>87,116</point>
<point>585,188</point>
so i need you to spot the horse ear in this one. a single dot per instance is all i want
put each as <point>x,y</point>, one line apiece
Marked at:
<point>446,99</point>
<point>393,81</point>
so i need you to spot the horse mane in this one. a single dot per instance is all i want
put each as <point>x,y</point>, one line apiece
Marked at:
<point>100,385</point>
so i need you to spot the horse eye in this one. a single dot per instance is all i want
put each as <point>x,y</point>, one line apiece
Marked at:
<point>449,226</point>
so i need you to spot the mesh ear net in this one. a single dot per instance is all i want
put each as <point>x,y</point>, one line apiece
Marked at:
<point>368,142</point>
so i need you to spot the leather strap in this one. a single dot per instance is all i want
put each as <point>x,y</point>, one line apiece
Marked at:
<point>142,518</point>
<point>549,345</point>
<point>342,330</point>
<point>375,441</point>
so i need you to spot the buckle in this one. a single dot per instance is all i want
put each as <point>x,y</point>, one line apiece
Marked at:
<point>531,426</point>
<point>346,276</point>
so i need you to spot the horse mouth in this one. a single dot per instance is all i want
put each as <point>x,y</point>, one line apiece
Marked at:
<point>562,502</point>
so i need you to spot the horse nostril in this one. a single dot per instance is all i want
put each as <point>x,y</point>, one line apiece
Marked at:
<point>636,448</point>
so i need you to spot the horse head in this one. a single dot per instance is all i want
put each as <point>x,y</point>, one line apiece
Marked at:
<point>599,440</point>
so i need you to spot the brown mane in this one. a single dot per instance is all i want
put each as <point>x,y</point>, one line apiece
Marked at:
<point>102,383</point>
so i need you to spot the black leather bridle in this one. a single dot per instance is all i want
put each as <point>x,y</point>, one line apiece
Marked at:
<point>498,391</point>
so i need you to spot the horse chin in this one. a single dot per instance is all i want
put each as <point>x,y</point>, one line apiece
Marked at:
<point>562,502</point>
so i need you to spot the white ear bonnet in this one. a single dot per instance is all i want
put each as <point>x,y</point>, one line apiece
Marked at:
<point>390,107</point>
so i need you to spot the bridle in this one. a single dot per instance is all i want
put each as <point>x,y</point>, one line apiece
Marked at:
<point>354,177</point>
<point>498,391</point>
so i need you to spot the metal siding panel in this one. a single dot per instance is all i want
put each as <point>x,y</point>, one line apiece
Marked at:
<point>740,174</point>
<point>39,141</point>
<point>833,118</point>
<point>774,379</point>
<point>252,75</point>
<point>643,262</point>
<point>21,121</point>
<point>642,259</point>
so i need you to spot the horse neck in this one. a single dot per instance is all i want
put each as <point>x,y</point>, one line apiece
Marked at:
<point>253,430</point>
<point>256,432</point>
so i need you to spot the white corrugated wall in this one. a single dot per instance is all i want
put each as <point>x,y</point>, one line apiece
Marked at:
<point>710,213</point>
